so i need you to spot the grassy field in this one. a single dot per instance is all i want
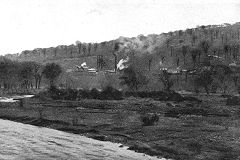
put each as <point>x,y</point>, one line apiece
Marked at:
<point>186,130</point>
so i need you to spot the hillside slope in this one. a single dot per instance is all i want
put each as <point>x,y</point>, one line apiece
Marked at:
<point>166,48</point>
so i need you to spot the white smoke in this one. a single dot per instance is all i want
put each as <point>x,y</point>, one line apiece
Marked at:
<point>121,64</point>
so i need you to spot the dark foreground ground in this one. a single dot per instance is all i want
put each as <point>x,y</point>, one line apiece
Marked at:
<point>207,130</point>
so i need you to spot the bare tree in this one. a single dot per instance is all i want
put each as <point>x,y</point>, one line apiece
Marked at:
<point>51,72</point>
<point>166,80</point>
<point>194,38</point>
<point>184,52</point>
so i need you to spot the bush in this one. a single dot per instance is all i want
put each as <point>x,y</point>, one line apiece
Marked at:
<point>157,95</point>
<point>129,94</point>
<point>110,93</point>
<point>149,119</point>
<point>204,79</point>
<point>231,101</point>
<point>55,93</point>
<point>238,89</point>
<point>192,99</point>
<point>94,94</point>
<point>64,94</point>
<point>177,111</point>
<point>70,94</point>
<point>83,94</point>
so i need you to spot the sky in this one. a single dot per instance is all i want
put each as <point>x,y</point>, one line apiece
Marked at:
<point>29,24</point>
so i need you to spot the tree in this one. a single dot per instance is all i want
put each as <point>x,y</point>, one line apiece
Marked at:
<point>189,31</point>
<point>204,79</point>
<point>184,52</point>
<point>4,63</point>
<point>238,33</point>
<point>26,74</point>
<point>55,52</point>
<point>134,75</point>
<point>203,27</point>
<point>9,73</point>
<point>162,59</point>
<point>171,50</point>
<point>166,80</point>
<point>101,62</point>
<point>180,33</point>
<point>198,53</point>
<point>222,36</point>
<point>115,51</point>
<point>177,61</point>
<point>17,75</point>
<point>79,45</point>
<point>37,73</point>
<point>194,38</point>
<point>51,72</point>
<point>204,45</point>
<point>211,34</point>
<point>44,50</point>
<point>95,46</point>
<point>84,48</point>
<point>215,50</point>
<point>66,50</point>
<point>149,64</point>
<point>168,42</point>
<point>133,79</point>
<point>236,49</point>
<point>226,49</point>
<point>195,52</point>
<point>89,48</point>
<point>222,74</point>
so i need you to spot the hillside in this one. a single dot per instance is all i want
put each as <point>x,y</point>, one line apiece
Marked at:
<point>166,47</point>
<point>177,51</point>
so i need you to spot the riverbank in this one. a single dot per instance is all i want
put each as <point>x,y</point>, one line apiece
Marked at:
<point>21,141</point>
<point>185,130</point>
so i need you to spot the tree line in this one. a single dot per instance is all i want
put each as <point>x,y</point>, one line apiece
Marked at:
<point>23,76</point>
<point>208,66</point>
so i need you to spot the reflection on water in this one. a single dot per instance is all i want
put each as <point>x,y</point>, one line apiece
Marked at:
<point>13,98</point>
<point>21,141</point>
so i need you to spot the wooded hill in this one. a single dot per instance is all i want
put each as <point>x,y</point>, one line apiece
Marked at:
<point>180,51</point>
<point>178,48</point>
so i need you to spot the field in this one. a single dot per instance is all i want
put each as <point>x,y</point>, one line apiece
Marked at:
<point>186,130</point>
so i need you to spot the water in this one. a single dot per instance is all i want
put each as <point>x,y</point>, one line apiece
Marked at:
<point>13,98</point>
<point>24,142</point>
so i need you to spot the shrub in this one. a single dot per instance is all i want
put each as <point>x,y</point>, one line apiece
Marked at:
<point>157,95</point>
<point>64,94</point>
<point>133,77</point>
<point>111,94</point>
<point>55,93</point>
<point>231,101</point>
<point>95,94</point>
<point>129,94</point>
<point>165,78</point>
<point>70,94</point>
<point>238,89</point>
<point>83,94</point>
<point>149,119</point>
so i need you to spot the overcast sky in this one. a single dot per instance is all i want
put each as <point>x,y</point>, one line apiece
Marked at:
<point>29,24</point>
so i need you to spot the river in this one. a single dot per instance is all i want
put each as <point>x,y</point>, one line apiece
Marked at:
<point>24,142</point>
